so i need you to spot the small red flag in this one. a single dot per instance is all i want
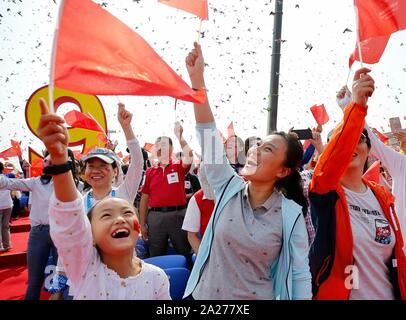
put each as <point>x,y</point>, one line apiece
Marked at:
<point>372,174</point>
<point>381,136</point>
<point>98,54</point>
<point>77,154</point>
<point>230,130</point>
<point>371,50</point>
<point>16,146</point>
<point>36,167</point>
<point>320,114</point>
<point>78,119</point>
<point>149,147</point>
<point>8,153</point>
<point>196,7</point>
<point>377,20</point>
<point>120,155</point>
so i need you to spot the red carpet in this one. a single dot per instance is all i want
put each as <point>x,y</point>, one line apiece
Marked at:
<point>13,283</point>
<point>20,225</point>
<point>18,254</point>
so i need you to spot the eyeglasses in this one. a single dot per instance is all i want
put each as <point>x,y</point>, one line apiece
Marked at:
<point>363,138</point>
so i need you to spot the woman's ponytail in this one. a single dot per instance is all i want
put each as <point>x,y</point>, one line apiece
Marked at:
<point>292,186</point>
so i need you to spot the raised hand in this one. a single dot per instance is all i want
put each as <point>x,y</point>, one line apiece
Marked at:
<point>178,130</point>
<point>363,86</point>
<point>124,116</point>
<point>53,134</point>
<point>195,65</point>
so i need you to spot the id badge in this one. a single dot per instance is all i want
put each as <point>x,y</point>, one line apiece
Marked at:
<point>188,185</point>
<point>173,178</point>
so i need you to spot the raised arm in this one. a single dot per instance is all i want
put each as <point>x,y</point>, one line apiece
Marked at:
<point>69,227</point>
<point>218,170</point>
<point>132,180</point>
<point>337,155</point>
<point>187,150</point>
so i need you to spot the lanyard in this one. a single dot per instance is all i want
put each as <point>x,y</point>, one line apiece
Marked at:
<point>89,199</point>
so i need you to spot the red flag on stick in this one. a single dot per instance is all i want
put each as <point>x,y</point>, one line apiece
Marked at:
<point>8,153</point>
<point>78,119</point>
<point>16,146</point>
<point>98,54</point>
<point>381,136</point>
<point>230,130</point>
<point>196,7</point>
<point>36,167</point>
<point>372,174</point>
<point>149,147</point>
<point>320,114</point>
<point>377,20</point>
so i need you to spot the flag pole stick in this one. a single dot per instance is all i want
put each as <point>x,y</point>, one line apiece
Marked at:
<point>176,102</point>
<point>348,76</point>
<point>357,32</point>
<point>200,30</point>
<point>53,58</point>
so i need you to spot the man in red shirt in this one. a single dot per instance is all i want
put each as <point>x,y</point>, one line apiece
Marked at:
<point>163,199</point>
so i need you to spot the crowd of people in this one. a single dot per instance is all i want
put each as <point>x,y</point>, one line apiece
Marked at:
<point>266,218</point>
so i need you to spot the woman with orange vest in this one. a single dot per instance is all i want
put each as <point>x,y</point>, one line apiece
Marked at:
<point>358,250</point>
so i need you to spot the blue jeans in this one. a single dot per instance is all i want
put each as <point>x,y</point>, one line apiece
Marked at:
<point>40,246</point>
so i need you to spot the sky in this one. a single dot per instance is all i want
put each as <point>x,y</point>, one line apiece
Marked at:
<point>237,46</point>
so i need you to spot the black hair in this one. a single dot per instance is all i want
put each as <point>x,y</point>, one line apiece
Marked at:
<point>241,153</point>
<point>124,168</point>
<point>292,185</point>
<point>45,179</point>
<point>1,167</point>
<point>248,141</point>
<point>368,142</point>
<point>164,137</point>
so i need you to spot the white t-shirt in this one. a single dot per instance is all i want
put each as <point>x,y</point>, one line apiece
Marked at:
<point>374,242</point>
<point>191,222</point>
<point>5,199</point>
<point>39,196</point>
<point>395,162</point>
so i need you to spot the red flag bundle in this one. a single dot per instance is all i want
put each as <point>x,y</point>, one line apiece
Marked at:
<point>372,174</point>
<point>196,7</point>
<point>320,114</point>
<point>377,20</point>
<point>98,54</point>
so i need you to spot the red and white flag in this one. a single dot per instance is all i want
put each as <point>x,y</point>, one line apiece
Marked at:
<point>98,54</point>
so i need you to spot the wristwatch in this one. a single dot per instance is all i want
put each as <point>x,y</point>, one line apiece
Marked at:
<point>53,170</point>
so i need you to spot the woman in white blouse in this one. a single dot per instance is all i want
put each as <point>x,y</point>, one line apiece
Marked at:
<point>104,265</point>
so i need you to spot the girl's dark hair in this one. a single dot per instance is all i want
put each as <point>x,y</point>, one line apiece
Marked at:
<point>1,167</point>
<point>292,185</point>
<point>74,165</point>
